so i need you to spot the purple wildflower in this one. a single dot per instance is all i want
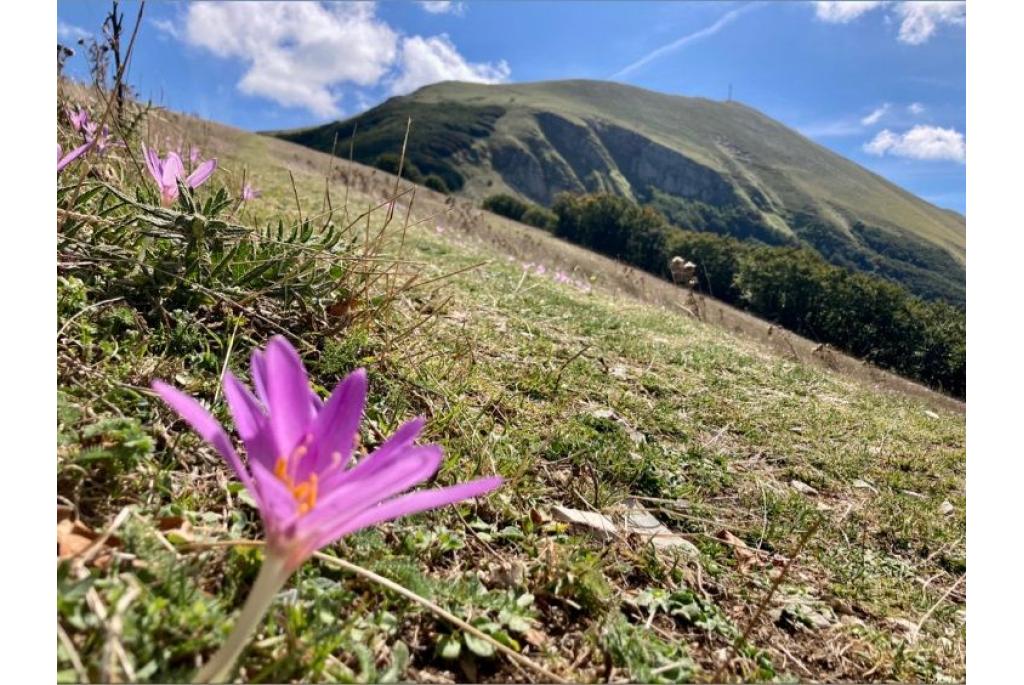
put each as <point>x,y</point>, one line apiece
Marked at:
<point>102,140</point>
<point>298,471</point>
<point>193,155</point>
<point>166,173</point>
<point>79,120</point>
<point>71,156</point>
<point>249,193</point>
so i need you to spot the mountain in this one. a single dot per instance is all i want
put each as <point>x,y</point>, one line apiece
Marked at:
<point>707,165</point>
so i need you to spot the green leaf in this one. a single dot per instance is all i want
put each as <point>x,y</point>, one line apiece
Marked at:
<point>479,647</point>
<point>449,647</point>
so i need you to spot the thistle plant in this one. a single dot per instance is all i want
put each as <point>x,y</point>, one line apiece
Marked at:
<point>298,471</point>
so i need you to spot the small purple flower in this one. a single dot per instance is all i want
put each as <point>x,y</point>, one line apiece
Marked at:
<point>249,193</point>
<point>299,450</point>
<point>102,141</point>
<point>79,120</point>
<point>166,173</point>
<point>71,156</point>
<point>193,155</point>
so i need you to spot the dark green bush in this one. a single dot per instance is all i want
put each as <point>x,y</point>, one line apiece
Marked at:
<point>435,182</point>
<point>505,205</point>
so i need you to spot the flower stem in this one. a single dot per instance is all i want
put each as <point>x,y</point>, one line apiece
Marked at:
<point>270,580</point>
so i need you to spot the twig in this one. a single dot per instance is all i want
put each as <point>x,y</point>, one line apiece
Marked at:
<point>928,614</point>
<point>93,549</point>
<point>69,647</point>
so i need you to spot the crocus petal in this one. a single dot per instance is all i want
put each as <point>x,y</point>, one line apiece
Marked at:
<point>153,164</point>
<point>73,155</point>
<point>172,170</point>
<point>58,152</point>
<point>413,503</point>
<point>206,426</point>
<point>392,448</point>
<point>258,370</point>
<point>287,388</point>
<point>277,503</point>
<point>335,426</point>
<point>250,421</point>
<point>201,173</point>
<point>416,465</point>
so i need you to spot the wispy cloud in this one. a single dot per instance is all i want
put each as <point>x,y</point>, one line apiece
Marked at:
<point>876,115</point>
<point>842,12</point>
<point>70,31</point>
<point>443,7</point>
<point>920,142</point>
<point>683,41</point>
<point>915,108</point>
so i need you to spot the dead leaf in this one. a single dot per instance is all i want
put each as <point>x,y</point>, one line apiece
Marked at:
<point>74,538</point>
<point>585,519</point>
<point>639,521</point>
<point>744,555</point>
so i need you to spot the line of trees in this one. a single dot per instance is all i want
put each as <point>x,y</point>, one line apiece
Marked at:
<point>867,316</point>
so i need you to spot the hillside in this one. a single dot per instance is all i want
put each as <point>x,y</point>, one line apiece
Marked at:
<point>813,508</point>
<point>707,165</point>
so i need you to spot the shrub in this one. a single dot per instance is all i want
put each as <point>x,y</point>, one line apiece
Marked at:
<point>435,182</point>
<point>505,205</point>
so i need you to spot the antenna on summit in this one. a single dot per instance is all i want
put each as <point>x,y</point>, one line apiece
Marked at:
<point>729,99</point>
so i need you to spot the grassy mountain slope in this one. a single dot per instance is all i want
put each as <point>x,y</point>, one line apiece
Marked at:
<point>699,160</point>
<point>581,397</point>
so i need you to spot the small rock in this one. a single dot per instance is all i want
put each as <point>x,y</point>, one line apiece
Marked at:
<point>930,414</point>
<point>864,485</point>
<point>618,372</point>
<point>946,508</point>
<point>802,487</point>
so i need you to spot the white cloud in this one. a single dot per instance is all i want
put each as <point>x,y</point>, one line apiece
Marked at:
<point>920,142</point>
<point>915,108</point>
<point>842,12</point>
<point>918,20</point>
<point>429,60</point>
<point>296,52</point>
<point>875,116</point>
<point>301,54</point>
<point>442,7</point>
<point>921,19</point>
<point>70,31</point>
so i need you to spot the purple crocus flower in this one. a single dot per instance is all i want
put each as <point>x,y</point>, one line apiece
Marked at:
<point>298,471</point>
<point>249,193</point>
<point>101,140</point>
<point>166,173</point>
<point>193,155</point>
<point>79,120</point>
<point>71,156</point>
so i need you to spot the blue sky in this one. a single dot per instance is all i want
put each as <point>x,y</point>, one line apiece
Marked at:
<point>880,83</point>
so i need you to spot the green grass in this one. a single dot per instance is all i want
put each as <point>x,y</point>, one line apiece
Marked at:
<point>510,370</point>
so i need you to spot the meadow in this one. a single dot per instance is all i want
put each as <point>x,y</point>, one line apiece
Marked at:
<point>811,510</point>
